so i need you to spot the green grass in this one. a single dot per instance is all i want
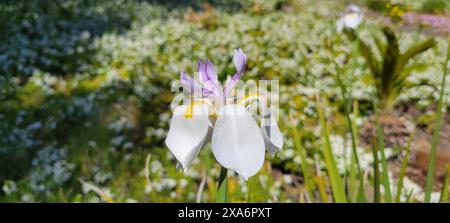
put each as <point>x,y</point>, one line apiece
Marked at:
<point>404,165</point>
<point>337,185</point>
<point>385,171</point>
<point>444,191</point>
<point>436,132</point>
<point>308,180</point>
<point>222,188</point>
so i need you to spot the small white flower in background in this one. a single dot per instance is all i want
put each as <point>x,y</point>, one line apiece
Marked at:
<point>238,142</point>
<point>351,18</point>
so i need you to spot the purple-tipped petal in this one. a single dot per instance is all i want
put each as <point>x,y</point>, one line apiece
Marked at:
<point>240,61</point>
<point>201,71</point>
<point>212,86</point>
<point>189,84</point>
<point>208,79</point>
<point>210,71</point>
<point>206,71</point>
<point>187,81</point>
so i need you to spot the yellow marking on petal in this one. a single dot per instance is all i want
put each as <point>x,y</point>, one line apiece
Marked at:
<point>352,15</point>
<point>251,98</point>
<point>190,109</point>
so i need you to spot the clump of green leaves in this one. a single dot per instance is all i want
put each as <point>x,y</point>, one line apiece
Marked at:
<point>377,5</point>
<point>391,72</point>
<point>435,6</point>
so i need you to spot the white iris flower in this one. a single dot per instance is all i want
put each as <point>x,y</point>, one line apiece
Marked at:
<point>351,18</point>
<point>238,142</point>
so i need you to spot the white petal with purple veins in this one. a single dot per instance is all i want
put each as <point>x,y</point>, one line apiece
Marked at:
<point>210,71</point>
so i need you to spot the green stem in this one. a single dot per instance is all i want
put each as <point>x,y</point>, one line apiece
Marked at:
<point>222,189</point>
<point>348,120</point>
<point>436,133</point>
<point>403,170</point>
<point>385,172</point>
<point>361,196</point>
<point>444,191</point>
<point>305,167</point>
<point>376,178</point>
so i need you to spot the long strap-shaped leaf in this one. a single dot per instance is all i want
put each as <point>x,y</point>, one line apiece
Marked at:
<point>400,73</point>
<point>389,62</point>
<point>366,52</point>
<point>337,185</point>
<point>436,133</point>
<point>222,189</point>
<point>412,52</point>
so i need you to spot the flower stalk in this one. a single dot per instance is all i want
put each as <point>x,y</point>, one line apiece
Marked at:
<point>347,101</point>
<point>384,168</point>
<point>403,169</point>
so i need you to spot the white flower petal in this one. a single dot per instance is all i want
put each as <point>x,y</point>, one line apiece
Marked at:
<point>187,136</point>
<point>237,142</point>
<point>271,133</point>
<point>352,20</point>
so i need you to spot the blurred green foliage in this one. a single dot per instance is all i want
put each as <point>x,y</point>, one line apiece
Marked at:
<point>391,73</point>
<point>435,6</point>
<point>424,6</point>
